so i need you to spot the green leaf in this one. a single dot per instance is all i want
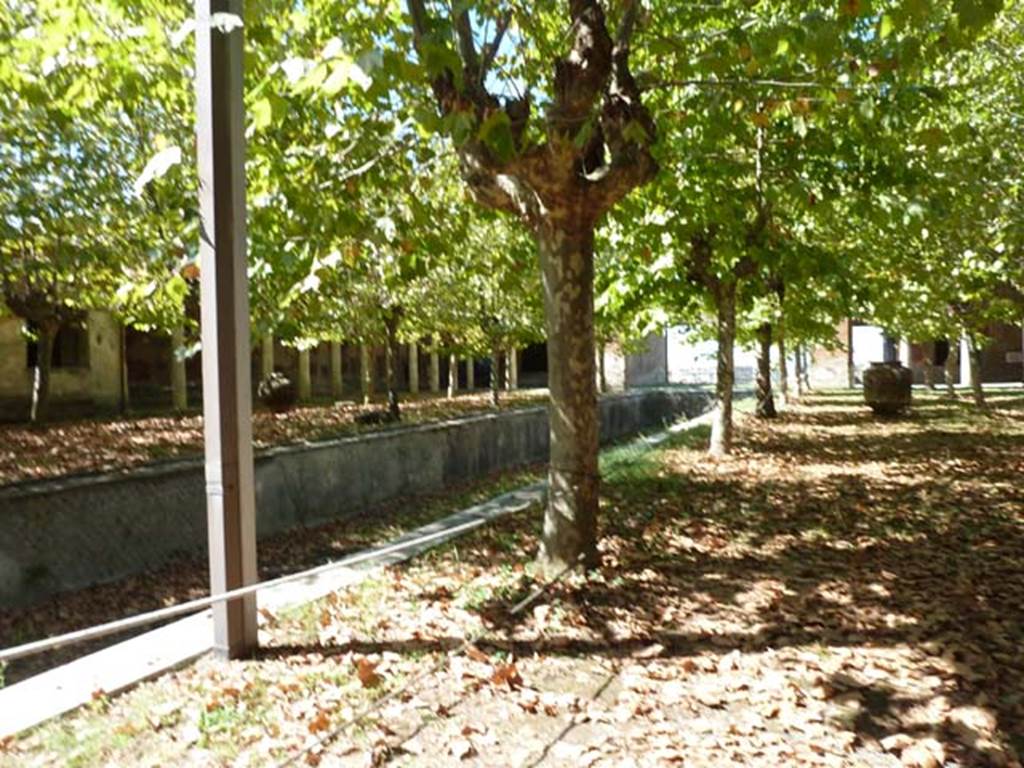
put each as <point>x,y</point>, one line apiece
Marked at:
<point>496,133</point>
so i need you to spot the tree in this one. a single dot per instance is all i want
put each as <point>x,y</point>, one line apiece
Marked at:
<point>559,177</point>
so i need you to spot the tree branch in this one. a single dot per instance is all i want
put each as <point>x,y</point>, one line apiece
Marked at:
<point>491,49</point>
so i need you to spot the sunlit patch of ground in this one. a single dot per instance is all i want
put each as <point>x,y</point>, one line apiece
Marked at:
<point>781,607</point>
<point>34,452</point>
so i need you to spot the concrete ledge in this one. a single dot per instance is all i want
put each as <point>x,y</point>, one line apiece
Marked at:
<point>74,532</point>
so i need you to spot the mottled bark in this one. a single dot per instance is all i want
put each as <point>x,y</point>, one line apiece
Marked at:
<point>305,388</point>
<point>179,379</point>
<point>805,367</point>
<point>974,361</point>
<point>46,336</point>
<point>570,521</point>
<point>765,397</point>
<point>721,424</point>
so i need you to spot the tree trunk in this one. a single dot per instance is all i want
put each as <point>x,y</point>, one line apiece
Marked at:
<point>390,358</point>
<point>267,355</point>
<point>929,372</point>
<point>47,335</point>
<point>435,372</point>
<point>570,520</point>
<point>602,378</point>
<point>783,367</point>
<point>453,375</point>
<point>179,378</point>
<point>414,368</point>
<point>470,375</point>
<point>952,366</point>
<point>305,381</point>
<point>765,397</point>
<point>721,425</point>
<point>366,372</point>
<point>805,366</point>
<point>495,370</point>
<point>512,369</point>
<point>799,364</point>
<point>974,360</point>
<point>337,380</point>
<point>125,399</point>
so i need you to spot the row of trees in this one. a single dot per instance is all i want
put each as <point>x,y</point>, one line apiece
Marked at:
<point>488,173</point>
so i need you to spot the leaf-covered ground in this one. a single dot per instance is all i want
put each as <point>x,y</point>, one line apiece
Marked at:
<point>30,452</point>
<point>841,592</point>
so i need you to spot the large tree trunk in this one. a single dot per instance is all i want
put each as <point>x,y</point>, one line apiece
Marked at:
<point>783,366</point>
<point>721,425</point>
<point>414,368</point>
<point>470,375</point>
<point>366,372</point>
<point>952,366</point>
<point>495,369</point>
<point>765,397</point>
<point>337,380</point>
<point>570,520</point>
<point>305,380</point>
<point>179,378</point>
<point>47,335</point>
<point>974,361</point>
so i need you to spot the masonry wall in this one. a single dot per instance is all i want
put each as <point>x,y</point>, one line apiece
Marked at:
<point>73,532</point>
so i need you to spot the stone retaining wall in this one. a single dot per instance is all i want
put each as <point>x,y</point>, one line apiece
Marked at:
<point>73,532</point>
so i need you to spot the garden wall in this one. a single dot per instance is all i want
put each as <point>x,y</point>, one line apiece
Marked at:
<point>73,532</point>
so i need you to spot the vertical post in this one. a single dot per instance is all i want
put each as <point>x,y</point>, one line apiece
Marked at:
<point>337,385</point>
<point>470,375</point>
<point>227,403</point>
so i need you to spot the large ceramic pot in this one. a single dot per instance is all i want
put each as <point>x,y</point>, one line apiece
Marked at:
<point>887,388</point>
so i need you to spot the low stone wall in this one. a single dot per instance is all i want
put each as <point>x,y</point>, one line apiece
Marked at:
<point>73,532</point>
